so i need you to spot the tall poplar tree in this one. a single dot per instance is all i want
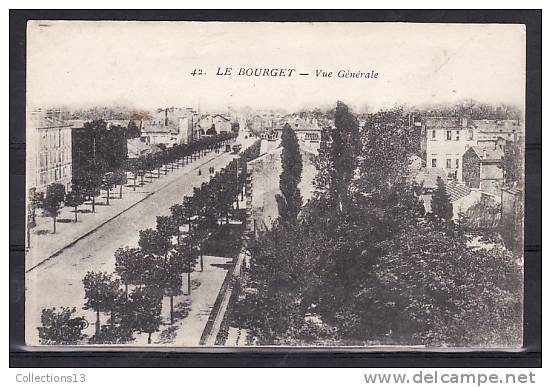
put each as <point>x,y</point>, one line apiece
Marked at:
<point>343,154</point>
<point>289,202</point>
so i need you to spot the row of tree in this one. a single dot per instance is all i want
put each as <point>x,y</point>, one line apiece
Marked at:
<point>106,170</point>
<point>132,295</point>
<point>363,264</point>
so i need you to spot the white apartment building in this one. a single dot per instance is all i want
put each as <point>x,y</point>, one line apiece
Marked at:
<point>447,139</point>
<point>49,150</point>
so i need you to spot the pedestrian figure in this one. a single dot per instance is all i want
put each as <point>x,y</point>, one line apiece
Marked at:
<point>199,172</point>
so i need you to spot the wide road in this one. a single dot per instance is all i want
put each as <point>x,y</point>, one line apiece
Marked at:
<point>58,282</point>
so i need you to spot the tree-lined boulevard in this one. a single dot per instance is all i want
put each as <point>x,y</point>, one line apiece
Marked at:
<point>64,273</point>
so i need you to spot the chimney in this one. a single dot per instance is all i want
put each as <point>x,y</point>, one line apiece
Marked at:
<point>166,117</point>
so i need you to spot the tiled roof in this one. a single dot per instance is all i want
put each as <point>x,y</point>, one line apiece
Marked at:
<point>457,191</point>
<point>491,154</point>
<point>221,116</point>
<point>300,124</point>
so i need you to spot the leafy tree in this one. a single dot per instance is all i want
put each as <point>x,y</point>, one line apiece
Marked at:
<point>35,201</point>
<point>101,291</point>
<point>389,142</point>
<point>132,166</point>
<point>113,334</point>
<point>198,236</point>
<point>185,258</point>
<point>191,206</point>
<point>344,151</point>
<point>146,307</point>
<point>109,181</point>
<point>120,326</point>
<point>441,206</point>
<point>283,263</point>
<point>55,194</point>
<point>179,216</point>
<point>129,266</point>
<point>153,242</point>
<point>59,327</point>
<point>119,178</point>
<point>289,202</point>
<point>142,164</point>
<point>90,185</point>
<point>167,227</point>
<point>172,282</point>
<point>74,199</point>
<point>430,287</point>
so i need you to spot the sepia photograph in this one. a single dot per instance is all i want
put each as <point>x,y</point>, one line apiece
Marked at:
<point>253,185</point>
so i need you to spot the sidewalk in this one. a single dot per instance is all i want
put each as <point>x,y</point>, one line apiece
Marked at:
<point>205,288</point>
<point>45,244</point>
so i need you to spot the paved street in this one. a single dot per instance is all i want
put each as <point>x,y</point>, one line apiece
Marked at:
<point>62,275</point>
<point>44,243</point>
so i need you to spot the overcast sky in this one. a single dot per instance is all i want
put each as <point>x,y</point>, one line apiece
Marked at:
<point>148,64</point>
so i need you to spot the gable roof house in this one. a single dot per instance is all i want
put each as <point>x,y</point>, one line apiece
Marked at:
<point>483,169</point>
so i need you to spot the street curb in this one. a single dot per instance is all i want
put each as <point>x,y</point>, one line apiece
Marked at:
<point>70,244</point>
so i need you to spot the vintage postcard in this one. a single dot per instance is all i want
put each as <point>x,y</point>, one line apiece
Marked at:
<point>248,185</point>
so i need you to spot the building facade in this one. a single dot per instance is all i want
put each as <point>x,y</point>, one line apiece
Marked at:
<point>222,123</point>
<point>169,127</point>
<point>49,149</point>
<point>483,169</point>
<point>446,140</point>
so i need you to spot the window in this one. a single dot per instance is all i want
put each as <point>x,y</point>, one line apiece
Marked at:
<point>434,134</point>
<point>433,163</point>
<point>449,163</point>
<point>470,134</point>
<point>457,135</point>
<point>448,135</point>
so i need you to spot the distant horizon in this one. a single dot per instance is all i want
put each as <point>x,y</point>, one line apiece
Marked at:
<point>309,107</point>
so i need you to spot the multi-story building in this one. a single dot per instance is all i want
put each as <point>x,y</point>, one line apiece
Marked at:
<point>491,130</point>
<point>49,150</point>
<point>446,140</point>
<point>169,127</point>
<point>205,123</point>
<point>307,130</point>
<point>222,123</point>
<point>483,169</point>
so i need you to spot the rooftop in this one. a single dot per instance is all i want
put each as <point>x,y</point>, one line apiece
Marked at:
<point>498,126</point>
<point>457,191</point>
<point>488,154</point>
<point>39,121</point>
<point>444,122</point>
